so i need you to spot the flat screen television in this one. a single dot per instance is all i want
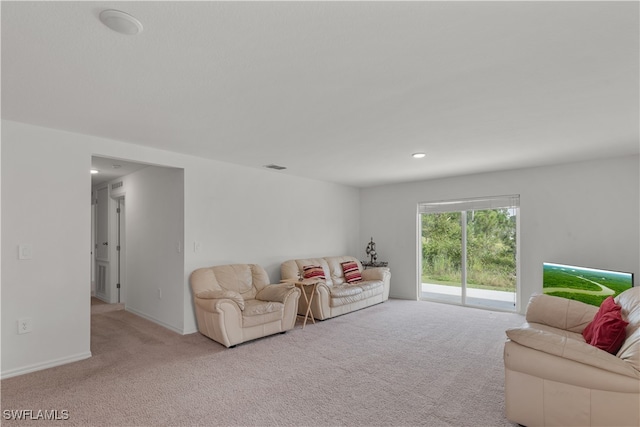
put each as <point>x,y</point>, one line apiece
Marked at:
<point>589,285</point>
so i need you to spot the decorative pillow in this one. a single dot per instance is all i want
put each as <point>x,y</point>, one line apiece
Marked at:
<point>313,272</point>
<point>607,306</point>
<point>609,332</point>
<point>351,272</point>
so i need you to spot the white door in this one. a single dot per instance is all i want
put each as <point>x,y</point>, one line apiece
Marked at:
<point>102,225</point>
<point>92,253</point>
<point>120,250</point>
<point>101,248</point>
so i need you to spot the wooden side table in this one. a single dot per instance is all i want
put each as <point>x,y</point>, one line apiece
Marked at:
<point>302,284</point>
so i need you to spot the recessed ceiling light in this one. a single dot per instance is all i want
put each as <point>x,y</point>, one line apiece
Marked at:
<point>418,155</point>
<point>94,171</point>
<point>120,22</point>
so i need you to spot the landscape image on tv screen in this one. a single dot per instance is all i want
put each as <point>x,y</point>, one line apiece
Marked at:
<point>589,285</point>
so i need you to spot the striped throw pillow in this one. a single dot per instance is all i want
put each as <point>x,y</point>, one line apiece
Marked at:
<point>351,272</point>
<point>313,272</point>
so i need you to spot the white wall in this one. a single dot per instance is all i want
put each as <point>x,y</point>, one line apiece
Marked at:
<point>585,214</point>
<point>53,216</point>
<point>153,254</point>
<point>241,214</point>
<point>238,214</point>
<point>245,215</point>
<point>154,216</point>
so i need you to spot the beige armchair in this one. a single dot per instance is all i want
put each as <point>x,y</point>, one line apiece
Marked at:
<point>236,303</point>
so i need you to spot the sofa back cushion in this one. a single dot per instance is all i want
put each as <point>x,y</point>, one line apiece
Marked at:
<point>629,302</point>
<point>559,312</point>
<point>294,268</point>
<point>245,279</point>
<point>335,267</point>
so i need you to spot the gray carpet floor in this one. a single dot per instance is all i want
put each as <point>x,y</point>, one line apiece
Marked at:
<point>401,363</point>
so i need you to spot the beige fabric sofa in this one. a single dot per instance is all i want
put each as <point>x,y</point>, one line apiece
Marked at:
<point>554,378</point>
<point>334,296</point>
<point>236,303</point>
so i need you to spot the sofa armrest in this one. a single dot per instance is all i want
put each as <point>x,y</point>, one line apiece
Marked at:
<point>569,348</point>
<point>561,313</point>
<point>377,273</point>
<point>276,292</point>
<point>222,294</point>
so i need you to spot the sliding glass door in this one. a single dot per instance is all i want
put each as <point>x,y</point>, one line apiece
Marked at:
<point>469,252</point>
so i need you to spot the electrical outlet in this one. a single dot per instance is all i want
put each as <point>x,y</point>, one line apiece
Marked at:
<point>159,293</point>
<point>24,325</point>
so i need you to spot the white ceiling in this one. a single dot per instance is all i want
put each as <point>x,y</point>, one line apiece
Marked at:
<point>337,91</point>
<point>109,169</point>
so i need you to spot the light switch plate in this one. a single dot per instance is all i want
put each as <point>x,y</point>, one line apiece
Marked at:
<point>25,252</point>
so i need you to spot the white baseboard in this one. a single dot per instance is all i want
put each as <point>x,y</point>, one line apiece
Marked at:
<point>189,331</point>
<point>44,365</point>
<point>154,320</point>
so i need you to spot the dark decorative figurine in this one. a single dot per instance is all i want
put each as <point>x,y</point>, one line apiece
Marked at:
<point>371,251</point>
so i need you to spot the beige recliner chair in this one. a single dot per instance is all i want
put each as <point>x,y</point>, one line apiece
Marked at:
<point>236,303</point>
<point>553,377</point>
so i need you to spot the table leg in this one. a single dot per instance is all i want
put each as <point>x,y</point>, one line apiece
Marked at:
<point>309,301</point>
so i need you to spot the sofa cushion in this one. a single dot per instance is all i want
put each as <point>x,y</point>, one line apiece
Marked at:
<point>334,264</point>
<point>351,272</point>
<point>607,306</point>
<point>258,313</point>
<point>629,300</point>
<point>256,307</point>
<point>313,272</point>
<point>630,350</point>
<point>344,291</point>
<point>376,285</point>
<point>609,332</point>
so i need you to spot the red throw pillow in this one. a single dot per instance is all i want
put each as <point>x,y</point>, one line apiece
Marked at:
<point>313,272</point>
<point>607,306</point>
<point>351,272</point>
<point>609,332</point>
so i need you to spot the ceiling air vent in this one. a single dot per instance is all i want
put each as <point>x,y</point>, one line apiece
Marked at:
<point>116,185</point>
<point>276,167</point>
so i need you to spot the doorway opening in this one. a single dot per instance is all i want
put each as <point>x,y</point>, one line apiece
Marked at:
<point>469,252</point>
<point>108,231</point>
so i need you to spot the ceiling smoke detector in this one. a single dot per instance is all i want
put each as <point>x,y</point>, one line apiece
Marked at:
<point>120,22</point>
